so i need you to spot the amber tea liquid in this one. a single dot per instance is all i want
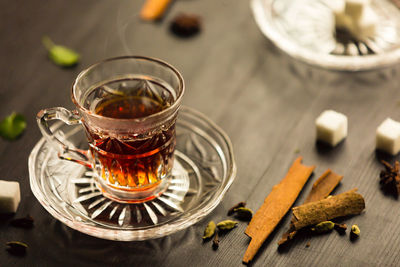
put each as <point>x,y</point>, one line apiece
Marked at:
<point>128,160</point>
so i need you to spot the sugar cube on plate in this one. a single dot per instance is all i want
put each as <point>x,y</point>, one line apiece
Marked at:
<point>388,136</point>
<point>331,127</point>
<point>9,196</point>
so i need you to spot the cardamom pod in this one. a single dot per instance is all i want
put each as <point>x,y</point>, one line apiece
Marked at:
<point>227,225</point>
<point>355,231</point>
<point>243,213</point>
<point>323,227</point>
<point>16,247</point>
<point>210,230</point>
<point>26,222</point>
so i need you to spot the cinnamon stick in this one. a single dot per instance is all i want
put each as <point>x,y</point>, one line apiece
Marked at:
<point>320,189</point>
<point>275,206</point>
<point>154,9</point>
<point>348,203</point>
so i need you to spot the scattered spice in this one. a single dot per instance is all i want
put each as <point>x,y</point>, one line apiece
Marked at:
<point>227,225</point>
<point>186,25</point>
<point>355,232</point>
<point>154,9</point>
<point>26,222</point>
<point>323,227</point>
<point>341,228</point>
<point>348,203</point>
<point>308,245</point>
<point>390,177</point>
<point>244,214</point>
<point>297,151</point>
<point>215,244</point>
<point>12,126</point>
<point>16,248</point>
<point>238,205</point>
<point>210,230</point>
<point>275,206</point>
<point>321,188</point>
<point>60,55</point>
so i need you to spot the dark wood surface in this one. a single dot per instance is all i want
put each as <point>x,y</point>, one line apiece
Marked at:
<point>266,102</point>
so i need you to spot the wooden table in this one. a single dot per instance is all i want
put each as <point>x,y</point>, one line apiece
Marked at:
<point>265,101</point>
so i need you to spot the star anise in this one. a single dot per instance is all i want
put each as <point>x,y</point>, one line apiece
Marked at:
<point>390,177</point>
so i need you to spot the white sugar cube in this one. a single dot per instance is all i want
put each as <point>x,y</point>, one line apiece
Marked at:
<point>9,196</point>
<point>355,8</point>
<point>331,127</point>
<point>365,26</point>
<point>388,136</point>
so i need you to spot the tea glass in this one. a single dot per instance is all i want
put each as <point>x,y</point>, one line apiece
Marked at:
<point>131,157</point>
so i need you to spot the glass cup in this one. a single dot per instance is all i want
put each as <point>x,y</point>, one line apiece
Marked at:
<point>128,108</point>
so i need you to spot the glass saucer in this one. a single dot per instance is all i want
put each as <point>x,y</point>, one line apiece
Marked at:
<point>203,171</point>
<point>304,29</point>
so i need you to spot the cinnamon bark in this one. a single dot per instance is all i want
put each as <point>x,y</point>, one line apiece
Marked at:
<point>348,203</point>
<point>320,189</point>
<point>275,206</point>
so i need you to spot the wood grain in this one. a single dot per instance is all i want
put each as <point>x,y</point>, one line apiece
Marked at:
<point>265,101</point>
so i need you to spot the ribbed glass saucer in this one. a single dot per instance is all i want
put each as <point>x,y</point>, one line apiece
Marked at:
<point>203,171</point>
<point>305,30</point>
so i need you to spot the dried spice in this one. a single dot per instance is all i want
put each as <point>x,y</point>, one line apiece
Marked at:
<point>348,203</point>
<point>341,228</point>
<point>16,248</point>
<point>308,245</point>
<point>355,231</point>
<point>26,222</point>
<point>215,244</point>
<point>210,230</point>
<point>321,188</point>
<point>227,225</point>
<point>244,214</point>
<point>238,205</point>
<point>390,177</point>
<point>275,206</point>
<point>154,9</point>
<point>186,25</point>
<point>323,227</point>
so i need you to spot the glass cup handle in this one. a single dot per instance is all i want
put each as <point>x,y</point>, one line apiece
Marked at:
<point>69,118</point>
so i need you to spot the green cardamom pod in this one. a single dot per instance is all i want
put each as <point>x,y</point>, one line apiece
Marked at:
<point>323,227</point>
<point>16,247</point>
<point>243,213</point>
<point>227,225</point>
<point>210,230</point>
<point>355,230</point>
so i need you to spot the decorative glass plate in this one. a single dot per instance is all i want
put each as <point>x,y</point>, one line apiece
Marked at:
<point>304,29</point>
<point>203,171</point>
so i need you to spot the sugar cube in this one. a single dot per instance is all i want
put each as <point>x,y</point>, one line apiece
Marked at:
<point>388,136</point>
<point>331,127</point>
<point>355,8</point>
<point>9,196</point>
<point>365,25</point>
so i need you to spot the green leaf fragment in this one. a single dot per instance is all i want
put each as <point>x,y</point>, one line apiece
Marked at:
<point>12,126</point>
<point>227,225</point>
<point>210,230</point>
<point>60,55</point>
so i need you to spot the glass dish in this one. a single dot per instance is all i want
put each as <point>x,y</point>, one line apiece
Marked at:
<point>203,171</point>
<point>304,29</point>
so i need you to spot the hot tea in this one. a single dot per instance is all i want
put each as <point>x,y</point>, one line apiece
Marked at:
<point>128,160</point>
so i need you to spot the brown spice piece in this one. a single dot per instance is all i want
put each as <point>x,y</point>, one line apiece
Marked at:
<point>341,228</point>
<point>215,244</point>
<point>186,25</point>
<point>26,222</point>
<point>322,187</point>
<point>275,206</point>
<point>348,203</point>
<point>390,177</point>
<point>154,9</point>
<point>308,245</point>
<point>238,205</point>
